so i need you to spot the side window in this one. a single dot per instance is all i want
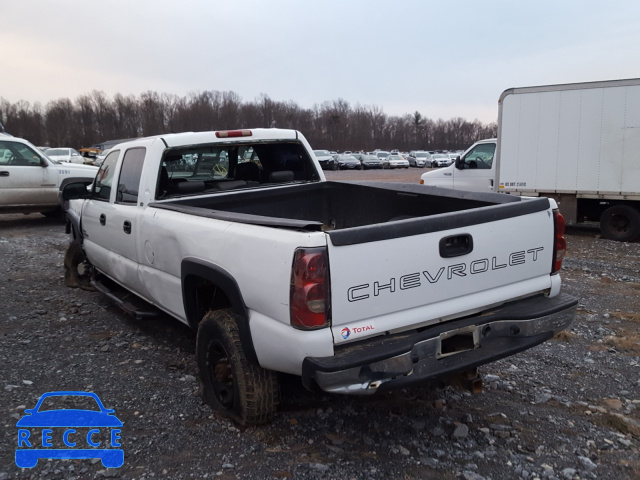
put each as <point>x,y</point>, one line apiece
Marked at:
<point>129,181</point>
<point>104,178</point>
<point>480,157</point>
<point>13,153</point>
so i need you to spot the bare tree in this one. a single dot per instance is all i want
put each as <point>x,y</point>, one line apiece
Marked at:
<point>335,125</point>
<point>59,118</point>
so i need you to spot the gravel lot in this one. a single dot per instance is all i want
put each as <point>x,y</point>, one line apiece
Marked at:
<point>568,409</point>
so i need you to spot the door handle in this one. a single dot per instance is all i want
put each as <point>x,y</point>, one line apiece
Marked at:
<point>127,227</point>
<point>4,173</point>
<point>456,245</point>
<point>103,219</point>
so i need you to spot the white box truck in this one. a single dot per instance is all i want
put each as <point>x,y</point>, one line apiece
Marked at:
<point>576,143</point>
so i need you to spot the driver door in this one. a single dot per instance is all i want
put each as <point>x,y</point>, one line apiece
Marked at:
<point>478,172</point>
<point>109,218</point>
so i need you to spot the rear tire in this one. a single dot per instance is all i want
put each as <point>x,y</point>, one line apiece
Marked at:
<point>231,383</point>
<point>621,223</point>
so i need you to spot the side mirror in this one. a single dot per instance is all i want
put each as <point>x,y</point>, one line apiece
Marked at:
<point>76,190</point>
<point>459,163</point>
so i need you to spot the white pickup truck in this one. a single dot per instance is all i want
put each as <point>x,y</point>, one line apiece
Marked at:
<point>30,181</point>
<point>354,287</point>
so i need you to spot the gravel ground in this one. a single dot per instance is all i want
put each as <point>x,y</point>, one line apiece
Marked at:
<point>568,409</point>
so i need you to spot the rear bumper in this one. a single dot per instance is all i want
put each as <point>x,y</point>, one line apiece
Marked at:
<point>441,350</point>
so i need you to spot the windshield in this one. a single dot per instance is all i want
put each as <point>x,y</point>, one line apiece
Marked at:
<point>440,155</point>
<point>421,154</point>
<point>321,153</point>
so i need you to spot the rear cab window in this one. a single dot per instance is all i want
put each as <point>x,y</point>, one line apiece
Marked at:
<point>214,168</point>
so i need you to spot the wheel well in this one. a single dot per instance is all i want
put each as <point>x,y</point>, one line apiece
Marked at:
<point>207,296</point>
<point>209,287</point>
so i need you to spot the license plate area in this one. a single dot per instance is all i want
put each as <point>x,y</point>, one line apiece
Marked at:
<point>458,341</point>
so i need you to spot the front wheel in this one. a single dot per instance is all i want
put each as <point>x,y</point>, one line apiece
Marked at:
<point>620,222</point>
<point>232,383</point>
<point>57,213</point>
<point>77,269</point>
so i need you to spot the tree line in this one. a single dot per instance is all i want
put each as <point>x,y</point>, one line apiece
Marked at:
<point>334,125</point>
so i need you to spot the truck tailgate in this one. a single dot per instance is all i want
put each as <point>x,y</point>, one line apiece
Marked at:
<point>416,272</point>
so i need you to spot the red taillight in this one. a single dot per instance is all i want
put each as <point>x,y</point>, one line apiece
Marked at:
<point>309,292</point>
<point>560,244</point>
<point>234,133</point>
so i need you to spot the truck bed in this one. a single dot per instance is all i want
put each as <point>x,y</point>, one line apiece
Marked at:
<point>339,208</point>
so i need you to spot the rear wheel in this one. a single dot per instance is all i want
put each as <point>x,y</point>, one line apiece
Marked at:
<point>231,383</point>
<point>620,222</point>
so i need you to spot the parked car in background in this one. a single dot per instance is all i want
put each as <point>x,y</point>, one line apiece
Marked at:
<point>89,155</point>
<point>419,158</point>
<point>101,156</point>
<point>370,161</point>
<point>30,181</point>
<point>440,160</point>
<point>64,155</point>
<point>381,154</point>
<point>395,161</point>
<point>349,162</point>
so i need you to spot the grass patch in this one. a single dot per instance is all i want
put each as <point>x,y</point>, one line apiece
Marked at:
<point>626,342</point>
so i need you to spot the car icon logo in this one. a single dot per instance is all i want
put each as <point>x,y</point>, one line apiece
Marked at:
<point>70,433</point>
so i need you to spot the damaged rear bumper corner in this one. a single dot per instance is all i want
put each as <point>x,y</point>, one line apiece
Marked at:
<point>442,350</point>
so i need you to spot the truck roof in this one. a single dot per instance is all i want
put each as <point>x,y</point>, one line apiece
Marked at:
<point>221,136</point>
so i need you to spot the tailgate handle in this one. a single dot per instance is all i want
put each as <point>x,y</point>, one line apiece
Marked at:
<point>456,245</point>
<point>4,173</point>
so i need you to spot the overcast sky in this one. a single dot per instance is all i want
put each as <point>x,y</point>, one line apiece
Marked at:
<point>444,59</point>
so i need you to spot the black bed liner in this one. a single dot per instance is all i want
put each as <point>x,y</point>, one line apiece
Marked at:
<point>357,212</point>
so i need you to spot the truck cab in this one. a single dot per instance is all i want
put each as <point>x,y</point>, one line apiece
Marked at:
<point>30,181</point>
<point>474,170</point>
